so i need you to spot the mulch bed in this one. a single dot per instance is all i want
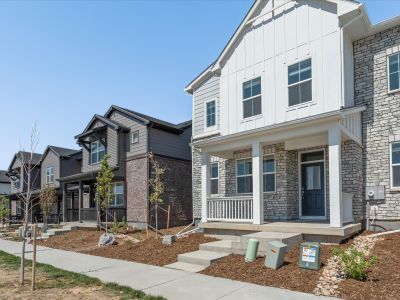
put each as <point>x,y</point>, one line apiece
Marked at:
<point>149,250</point>
<point>289,276</point>
<point>384,278</point>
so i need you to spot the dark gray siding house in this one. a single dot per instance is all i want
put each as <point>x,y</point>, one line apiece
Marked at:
<point>128,137</point>
<point>5,183</point>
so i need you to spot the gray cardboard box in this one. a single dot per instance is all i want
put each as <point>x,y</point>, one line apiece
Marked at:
<point>274,255</point>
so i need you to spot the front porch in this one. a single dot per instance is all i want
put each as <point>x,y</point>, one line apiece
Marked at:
<point>304,178</point>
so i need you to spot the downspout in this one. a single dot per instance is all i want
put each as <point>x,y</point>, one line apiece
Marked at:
<point>149,126</point>
<point>342,79</point>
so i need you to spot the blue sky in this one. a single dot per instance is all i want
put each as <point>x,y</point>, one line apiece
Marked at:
<point>63,61</point>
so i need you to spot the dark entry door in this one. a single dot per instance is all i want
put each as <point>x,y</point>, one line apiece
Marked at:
<point>313,189</point>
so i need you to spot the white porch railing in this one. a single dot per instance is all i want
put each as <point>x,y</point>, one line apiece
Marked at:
<point>230,209</point>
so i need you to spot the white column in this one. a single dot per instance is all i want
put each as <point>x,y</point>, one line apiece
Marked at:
<point>258,205</point>
<point>335,177</point>
<point>204,184</point>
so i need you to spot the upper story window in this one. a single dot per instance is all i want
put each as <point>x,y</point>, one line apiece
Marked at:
<point>269,174</point>
<point>252,98</point>
<point>210,114</point>
<point>394,70</point>
<point>97,152</point>
<point>214,176</point>
<point>244,176</point>
<point>300,82</point>
<point>395,164</point>
<point>118,194</point>
<point>16,182</point>
<point>135,137</point>
<point>50,175</point>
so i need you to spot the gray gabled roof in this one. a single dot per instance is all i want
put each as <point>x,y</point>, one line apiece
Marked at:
<point>3,177</point>
<point>157,123</point>
<point>111,123</point>
<point>36,157</point>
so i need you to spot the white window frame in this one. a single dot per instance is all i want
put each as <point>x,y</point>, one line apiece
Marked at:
<point>97,153</point>
<point>268,173</point>
<point>137,139</point>
<point>388,73</point>
<point>213,127</point>
<point>251,98</point>
<point>303,104</point>
<point>392,187</point>
<point>14,183</point>
<point>247,175</point>
<point>214,178</point>
<point>113,202</point>
<point>50,175</point>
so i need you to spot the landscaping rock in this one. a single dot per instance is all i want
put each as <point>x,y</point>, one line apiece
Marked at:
<point>168,239</point>
<point>106,240</point>
<point>126,239</point>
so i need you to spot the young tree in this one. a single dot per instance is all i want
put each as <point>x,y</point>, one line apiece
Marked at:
<point>48,196</point>
<point>157,186</point>
<point>27,177</point>
<point>104,192</point>
<point>4,208</point>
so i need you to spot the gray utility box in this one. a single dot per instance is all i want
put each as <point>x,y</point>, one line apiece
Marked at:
<point>310,256</point>
<point>274,254</point>
<point>376,192</point>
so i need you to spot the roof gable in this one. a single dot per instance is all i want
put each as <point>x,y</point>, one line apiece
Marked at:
<point>255,12</point>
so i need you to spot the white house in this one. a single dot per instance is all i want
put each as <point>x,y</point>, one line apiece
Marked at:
<point>277,132</point>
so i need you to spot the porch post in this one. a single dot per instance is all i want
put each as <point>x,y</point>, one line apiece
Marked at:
<point>64,203</point>
<point>335,177</point>
<point>258,205</point>
<point>80,201</point>
<point>204,185</point>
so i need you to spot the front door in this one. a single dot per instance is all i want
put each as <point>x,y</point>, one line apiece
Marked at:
<point>312,189</point>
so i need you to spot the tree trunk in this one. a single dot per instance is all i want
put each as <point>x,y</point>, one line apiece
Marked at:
<point>107,221</point>
<point>156,220</point>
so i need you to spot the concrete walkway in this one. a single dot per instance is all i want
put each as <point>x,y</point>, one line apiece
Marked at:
<point>172,284</point>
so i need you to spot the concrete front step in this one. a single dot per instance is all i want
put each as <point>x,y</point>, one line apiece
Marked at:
<point>186,267</point>
<point>223,246</point>
<point>290,239</point>
<point>201,257</point>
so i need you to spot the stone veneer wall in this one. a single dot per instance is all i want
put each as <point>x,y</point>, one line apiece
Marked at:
<point>136,190</point>
<point>381,120</point>
<point>352,176</point>
<point>178,192</point>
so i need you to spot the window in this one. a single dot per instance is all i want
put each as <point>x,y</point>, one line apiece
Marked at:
<point>394,70</point>
<point>16,182</point>
<point>313,174</point>
<point>97,152</point>
<point>269,173</point>
<point>50,175</point>
<point>244,178</point>
<point>210,113</point>
<point>18,210</point>
<point>252,98</point>
<point>299,82</point>
<point>395,164</point>
<point>118,194</point>
<point>135,137</point>
<point>214,178</point>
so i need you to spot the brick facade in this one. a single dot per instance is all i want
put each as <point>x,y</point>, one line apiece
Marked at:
<point>381,120</point>
<point>178,192</point>
<point>136,190</point>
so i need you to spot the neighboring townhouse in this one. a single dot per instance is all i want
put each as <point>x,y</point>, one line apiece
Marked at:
<point>57,162</point>
<point>5,183</point>
<point>17,172</point>
<point>128,137</point>
<point>297,120</point>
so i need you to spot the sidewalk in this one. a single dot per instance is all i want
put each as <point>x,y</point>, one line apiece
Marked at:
<point>172,284</point>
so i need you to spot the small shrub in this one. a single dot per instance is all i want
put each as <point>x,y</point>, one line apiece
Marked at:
<point>120,227</point>
<point>355,263</point>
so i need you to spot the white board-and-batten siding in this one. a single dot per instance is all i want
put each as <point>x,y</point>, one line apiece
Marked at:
<point>292,33</point>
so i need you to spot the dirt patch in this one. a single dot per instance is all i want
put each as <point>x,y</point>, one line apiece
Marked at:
<point>383,279</point>
<point>148,250</point>
<point>290,276</point>
<point>47,289</point>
